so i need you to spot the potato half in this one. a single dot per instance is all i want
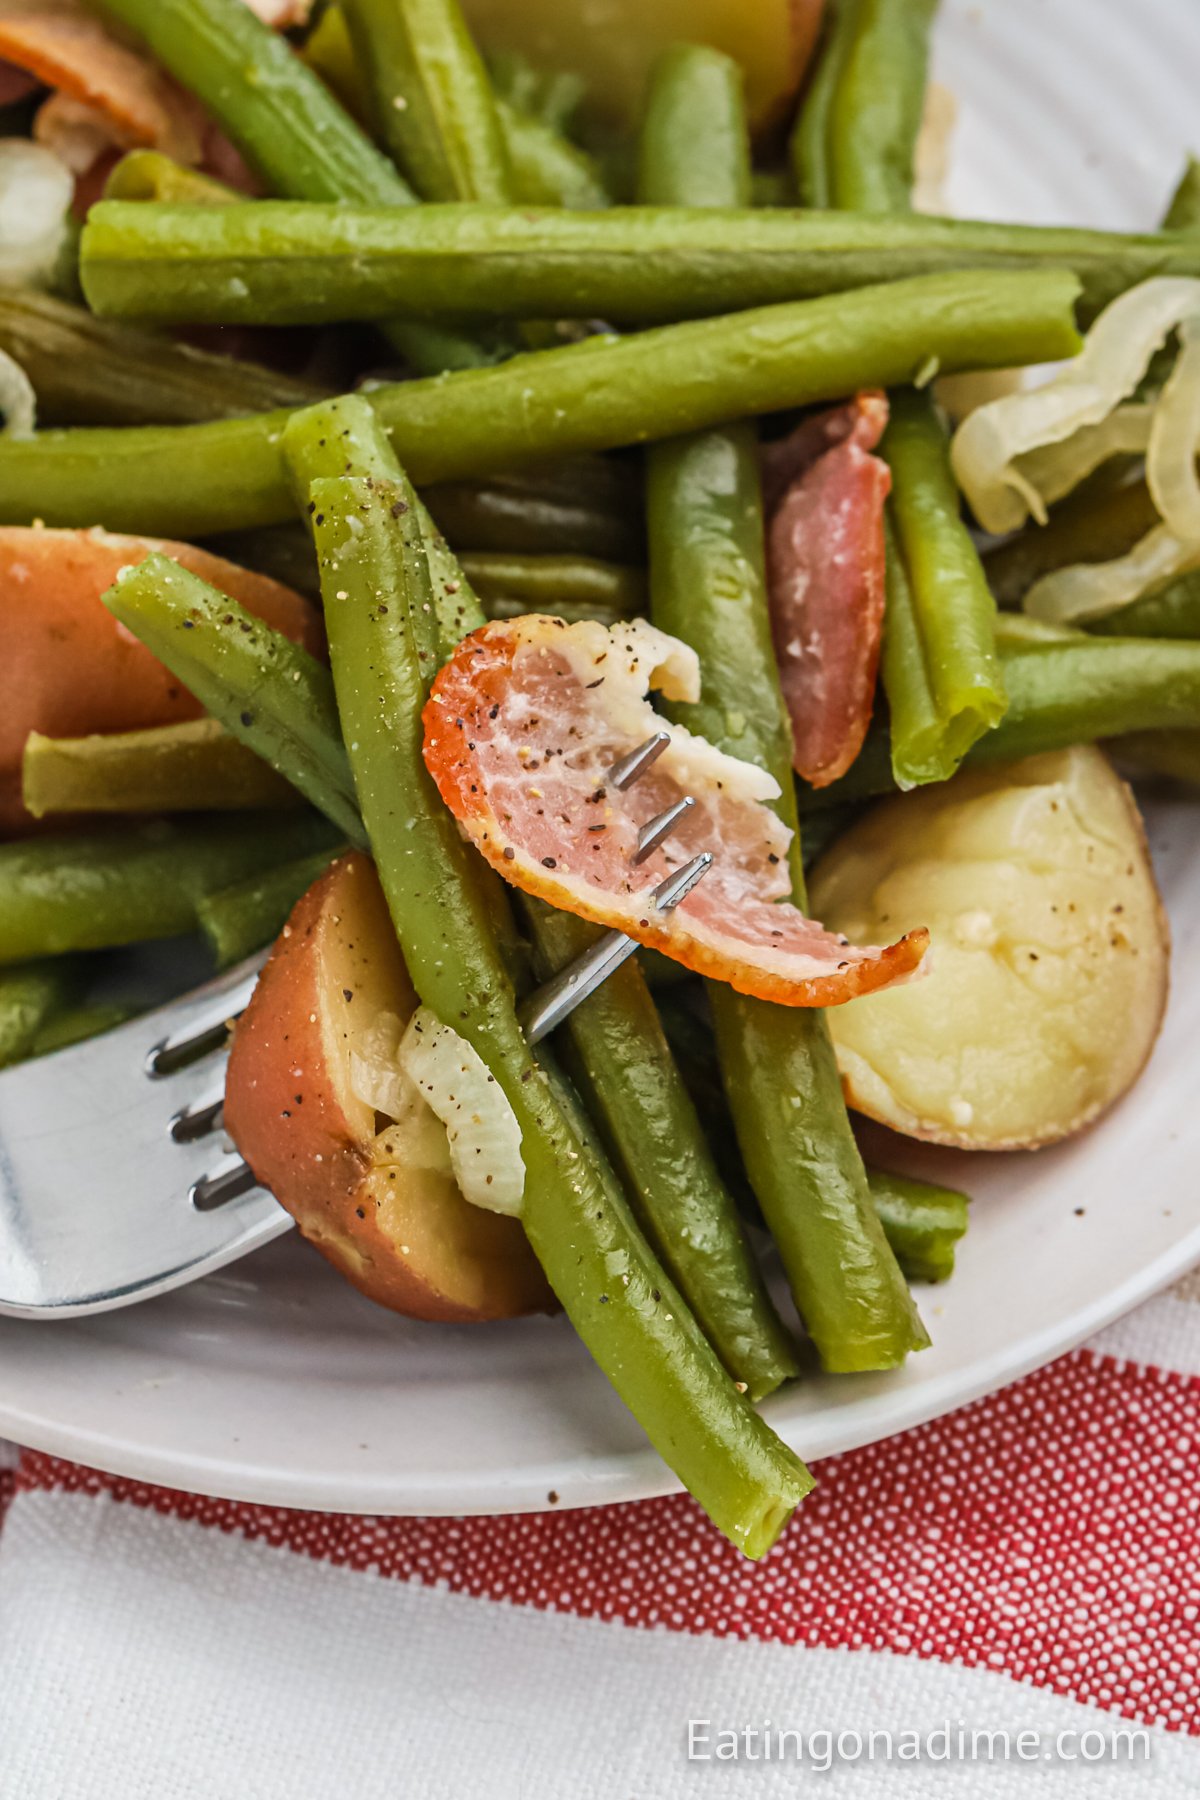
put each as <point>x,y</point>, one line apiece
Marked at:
<point>377,1198</point>
<point>1049,962</point>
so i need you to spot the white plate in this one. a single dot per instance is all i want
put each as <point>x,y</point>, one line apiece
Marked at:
<point>275,1382</point>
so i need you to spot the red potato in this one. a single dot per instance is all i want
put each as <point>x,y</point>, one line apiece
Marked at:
<point>68,669</point>
<point>381,1205</point>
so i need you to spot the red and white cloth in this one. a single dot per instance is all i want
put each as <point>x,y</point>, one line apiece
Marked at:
<point>1029,1565</point>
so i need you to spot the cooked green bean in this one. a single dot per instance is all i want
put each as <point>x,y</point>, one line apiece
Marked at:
<point>274,262</point>
<point>76,1024</point>
<point>581,584</point>
<point>685,160</point>
<point>1171,610</point>
<point>809,148</point>
<point>547,169</point>
<point>94,890</point>
<point>149,175</point>
<point>708,586</point>
<point>190,767</point>
<point>877,105</point>
<point>611,1285</point>
<point>89,371</point>
<point>267,692</point>
<point>1183,214</point>
<point>1093,525</point>
<point>430,98</point>
<point>941,647</point>
<point>191,481</point>
<point>31,995</point>
<point>585,507</point>
<point>923,1223</point>
<point>1059,694</point>
<point>617,1042</point>
<point>286,123</point>
<point>625,1071</point>
<point>240,919</point>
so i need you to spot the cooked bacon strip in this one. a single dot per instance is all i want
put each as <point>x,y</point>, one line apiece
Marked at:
<point>520,727</point>
<point>825,562</point>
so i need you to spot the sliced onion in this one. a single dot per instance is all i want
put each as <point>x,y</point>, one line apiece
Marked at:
<point>1089,590</point>
<point>36,191</point>
<point>1055,469</point>
<point>18,402</point>
<point>987,446</point>
<point>375,1073</point>
<point>1175,441</point>
<point>485,1138</point>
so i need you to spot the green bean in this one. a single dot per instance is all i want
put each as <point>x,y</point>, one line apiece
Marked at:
<point>285,122</point>
<point>578,510</point>
<point>89,371</point>
<point>191,481</point>
<point>708,586</point>
<point>149,175</point>
<point>1091,525</point>
<point>877,105</point>
<point>95,890</point>
<point>941,633</point>
<point>920,1221</point>
<point>620,1049</point>
<point>809,147</point>
<point>278,262</point>
<point>552,96</point>
<point>1075,692</point>
<point>1183,213</point>
<point>611,1285</point>
<point>191,767</point>
<point>1171,610</point>
<point>31,994</point>
<point>77,1024</point>
<point>431,98</point>
<point>267,692</point>
<point>617,1043</point>
<point>923,1223</point>
<point>549,583</point>
<point>240,919</point>
<point>685,161</point>
<point>547,169</point>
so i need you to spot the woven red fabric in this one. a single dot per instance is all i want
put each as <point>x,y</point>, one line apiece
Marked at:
<point>1050,1532</point>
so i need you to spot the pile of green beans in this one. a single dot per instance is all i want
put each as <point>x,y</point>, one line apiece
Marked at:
<point>275,263</point>
<point>287,125</point>
<point>708,586</point>
<point>195,480</point>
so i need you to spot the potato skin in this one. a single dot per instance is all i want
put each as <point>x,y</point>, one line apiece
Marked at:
<point>1050,956</point>
<point>402,1234</point>
<point>68,667</point>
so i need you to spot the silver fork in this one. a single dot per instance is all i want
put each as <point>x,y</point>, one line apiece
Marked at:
<point>115,1182</point>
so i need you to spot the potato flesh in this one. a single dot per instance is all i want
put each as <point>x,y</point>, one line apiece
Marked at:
<point>1048,971</point>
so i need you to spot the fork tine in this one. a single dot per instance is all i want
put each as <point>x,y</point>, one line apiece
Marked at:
<point>624,773</point>
<point>657,830</point>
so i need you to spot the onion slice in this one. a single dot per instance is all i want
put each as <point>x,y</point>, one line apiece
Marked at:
<point>36,191</point>
<point>484,1136</point>
<point>989,445</point>
<point>18,402</point>
<point>1175,440</point>
<point>1089,590</point>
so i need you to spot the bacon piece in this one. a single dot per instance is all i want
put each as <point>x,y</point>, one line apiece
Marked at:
<point>825,571</point>
<point>520,728</point>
